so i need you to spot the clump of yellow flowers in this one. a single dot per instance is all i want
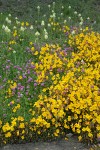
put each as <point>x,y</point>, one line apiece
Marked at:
<point>71,100</point>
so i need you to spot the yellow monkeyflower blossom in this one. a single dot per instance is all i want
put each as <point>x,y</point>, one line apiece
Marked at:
<point>0,123</point>
<point>8,134</point>
<point>20,118</point>
<point>21,125</point>
<point>22,137</point>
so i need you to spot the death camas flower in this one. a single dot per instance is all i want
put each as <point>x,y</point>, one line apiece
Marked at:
<point>9,15</point>
<point>61,14</point>
<point>81,23</point>
<point>45,34</point>
<point>42,23</point>
<point>17,22</point>
<point>73,32</point>
<point>49,6</point>
<point>3,26</point>
<point>65,21</point>
<point>31,27</point>
<point>49,25</point>
<point>69,18</point>
<point>8,20</point>
<point>7,30</point>
<point>38,8</point>
<point>79,15</point>
<point>14,27</point>
<point>37,33</point>
<point>69,7</point>
<point>75,12</point>
<point>22,29</point>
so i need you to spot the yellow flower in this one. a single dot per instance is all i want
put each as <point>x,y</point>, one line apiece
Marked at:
<point>21,125</point>
<point>57,131</point>
<point>17,133</point>
<point>20,77</point>
<point>55,134</point>
<point>22,24</point>
<point>8,134</point>
<point>4,142</point>
<point>13,85</point>
<point>12,128</point>
<point>69,118</point>
<point>98,119</point>
<point>48,125</point>
<point>36,53</point>
<point>66,138</point>
<point>6,127</point>
<point>32,120</point>
<point>90,135</point>
<point>23,131</point>
<point>27,24</point>
<point>80,138</point>
<point>20,118</point>
<point>53,120</point>
<point>22,137</point>
<point>32,48</point>
<point>39,132</point>
<point>0,123</point>
<point>31,43</point>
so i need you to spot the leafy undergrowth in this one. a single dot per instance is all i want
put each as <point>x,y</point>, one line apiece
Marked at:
<point>49,80</point>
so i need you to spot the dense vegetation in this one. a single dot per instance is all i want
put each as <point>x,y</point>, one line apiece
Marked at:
<point>49,77</point>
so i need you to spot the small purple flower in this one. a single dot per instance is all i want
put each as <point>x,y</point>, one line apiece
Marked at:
<point>21,88</point>
<point>59,70</point>
<point>19,84</point>
<point>32,66</point>
<point>19,94</point>
<point>35,84</point>
<point>19,68</point>
<point>29,80</point>
<point>24,77</point>
<point>42,84</point>
<point>34,73</point>
<point>15,66</point>
<point>1,87</point>
<point>4,115</point>
<point>27,49</point>
<point>28,72</point>
<point>8,60</point>
<point>68,49</point>
<point>4,80</point>
<point>7,67</point>
<point>83,70</point>
<point>26,93</point>
<point>92,86</point>
<point>28,87</point>
<point>11,103</point>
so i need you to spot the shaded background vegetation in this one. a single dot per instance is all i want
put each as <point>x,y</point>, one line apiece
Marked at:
<point>26,9</point>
